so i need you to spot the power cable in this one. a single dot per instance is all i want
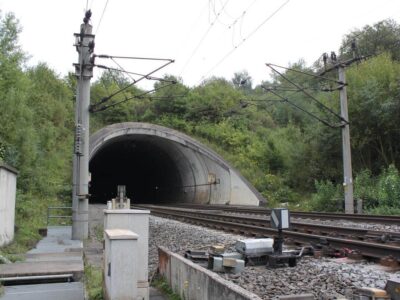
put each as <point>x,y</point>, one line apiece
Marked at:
<point>193,26</point>
<point>93,108</point>
<point>283,89</point>
<point>133,57</point>
<point>110,70</point>
<point>304,73</point>
<point>320,104</point>
<point>305,111</point>
<point>105,99</point>
<point>215,13</point>
<point>91,4</point>
<point>202,39</point>
<point>262,100</point>
<point>232,25</point>
<point>122,69</point>
<point>245,39</point>
<point>225,12</point>
<point>113,77</point>
<point>101,18</point>
<point>133,73</point>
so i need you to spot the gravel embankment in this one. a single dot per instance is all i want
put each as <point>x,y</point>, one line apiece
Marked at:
<point>325,278</point>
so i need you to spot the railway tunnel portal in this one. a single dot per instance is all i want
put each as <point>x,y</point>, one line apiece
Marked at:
<point>161,165</point>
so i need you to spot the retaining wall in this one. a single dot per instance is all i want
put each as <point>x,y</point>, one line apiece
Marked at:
<point>8,186</point>
<point>192,281</point>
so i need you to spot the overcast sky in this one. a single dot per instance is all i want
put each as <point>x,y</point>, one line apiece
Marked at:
<point>205,37</point>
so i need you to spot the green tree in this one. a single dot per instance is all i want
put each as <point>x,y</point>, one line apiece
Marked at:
<point>243,81</point>
<point>372,40</point>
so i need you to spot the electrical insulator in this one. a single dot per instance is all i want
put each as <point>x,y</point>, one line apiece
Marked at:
<point>78,139</point>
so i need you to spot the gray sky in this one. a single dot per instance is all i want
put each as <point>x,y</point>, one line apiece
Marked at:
<point>205,37</point>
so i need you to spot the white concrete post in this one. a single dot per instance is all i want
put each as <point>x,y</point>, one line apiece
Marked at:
<point>84,72</point>
<point>347,169</point>
<point>8,188</point>
<point>120,262</point>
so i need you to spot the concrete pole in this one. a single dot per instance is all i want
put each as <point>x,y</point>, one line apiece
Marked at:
<point>347,170</point>
<point>84,72</point>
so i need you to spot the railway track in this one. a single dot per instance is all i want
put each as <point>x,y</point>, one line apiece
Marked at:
<point>374,244</point>
<point>380,219</point>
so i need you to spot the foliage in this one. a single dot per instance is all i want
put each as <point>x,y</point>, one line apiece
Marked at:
<point>380,194</point>
<point>35,134</point>
<point>277,147</point>
<point>384,210</point>
<point>242,80</point>
<point>365,188</point>
<point>163,285</point>
<point>388,187</point>
<point>328,197</point>
<point>94,282</point>
<point>370,40</point>
<point>30,216</point>
<point>285,153</point>
<point>374,109</point>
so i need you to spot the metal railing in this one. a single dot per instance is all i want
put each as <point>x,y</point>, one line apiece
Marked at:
<point>54,214</point>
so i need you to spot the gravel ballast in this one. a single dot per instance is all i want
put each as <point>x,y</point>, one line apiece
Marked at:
<point>325,278</point>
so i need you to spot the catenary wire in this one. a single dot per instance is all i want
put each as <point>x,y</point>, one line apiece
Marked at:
<point>132,73</point>
<point>132,57</point>
<point>101,18</point>
<point>201,40</point>
<point>244,40</point>
<point>305,111</point>
<point>320,104</point>
<point>105,99</point>
<point>105,107</point>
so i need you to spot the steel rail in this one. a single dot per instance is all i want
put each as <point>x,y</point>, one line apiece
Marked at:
<point>381,219</point>
<point>368,249</point>
<point>325,230</point>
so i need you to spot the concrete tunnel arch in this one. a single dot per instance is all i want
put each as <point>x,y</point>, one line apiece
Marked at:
<point>162,165</point>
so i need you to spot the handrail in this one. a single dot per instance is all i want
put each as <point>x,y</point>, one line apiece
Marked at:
<point>57,216</point>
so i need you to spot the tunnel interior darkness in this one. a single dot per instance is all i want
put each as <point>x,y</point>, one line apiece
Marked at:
<point>141,164</point>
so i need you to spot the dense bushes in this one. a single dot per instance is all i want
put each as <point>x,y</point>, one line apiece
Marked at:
<point>36,113</point>
<point>286,154</point>
<point>380,194</point>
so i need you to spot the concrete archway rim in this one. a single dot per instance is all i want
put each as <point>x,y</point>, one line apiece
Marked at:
<point>110,132</point>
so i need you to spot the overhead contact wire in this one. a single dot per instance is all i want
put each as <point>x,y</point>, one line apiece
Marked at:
<point>131,84</point>
<point>133,97</point>
<point>202,39</point>
<point>102,15</point>
<point>245,39</point>
<point>307,94</point>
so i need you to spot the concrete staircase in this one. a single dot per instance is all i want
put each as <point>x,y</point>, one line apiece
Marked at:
<point>56,258</point>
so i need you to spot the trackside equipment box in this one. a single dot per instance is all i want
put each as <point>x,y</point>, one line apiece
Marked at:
<point>255,246</point>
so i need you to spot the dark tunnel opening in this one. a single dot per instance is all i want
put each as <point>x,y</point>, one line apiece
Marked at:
<point>145,168</point>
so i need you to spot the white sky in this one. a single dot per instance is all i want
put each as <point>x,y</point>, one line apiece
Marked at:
<point>175,28</point>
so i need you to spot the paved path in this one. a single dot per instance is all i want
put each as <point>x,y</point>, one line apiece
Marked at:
<point>48,291</point>
<point>56,254</point>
